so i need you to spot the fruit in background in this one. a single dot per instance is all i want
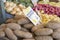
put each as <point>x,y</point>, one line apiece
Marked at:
<point>48,9</point>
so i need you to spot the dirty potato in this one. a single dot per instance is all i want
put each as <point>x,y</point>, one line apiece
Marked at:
<point>56,35</point>
<point>24,29</point>
<point>11,20</point>
<point>23,34</point>
<point>10,34</point>
<point>43,38</point>
<point>28,26</point>
<point>53,25</point>
<point>34,28</point>
<point>43,31</point>
<point>28,39</point>
<point>23,21</point>
<point>14,26</point>
<point>2,34</point>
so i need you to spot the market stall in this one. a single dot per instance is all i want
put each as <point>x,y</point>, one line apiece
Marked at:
<point>30,20</point>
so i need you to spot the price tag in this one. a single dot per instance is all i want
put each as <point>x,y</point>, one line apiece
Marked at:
<point>32,16</point>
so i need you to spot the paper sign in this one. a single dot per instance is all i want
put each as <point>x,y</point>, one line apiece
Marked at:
<point>32,16</point>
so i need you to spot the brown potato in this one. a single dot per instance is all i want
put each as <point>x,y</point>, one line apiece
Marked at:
<point>56,35</point>
<point>23,21</point>
<point>43,38</point>
<point>14,26</point>
<point>11,21</point>
<point>57,30</point>
<point>43,31</point>
<point>2,34</point>
<point>4,38</point>
<point>24,29</point>
<point>28,39</point>
<point>10,34</point>
<point>28,26</point>
<point>53,25</point>
<point>23,34</point>
<point>2,26</point>
<point>17,17</point>
<point>36,27</point>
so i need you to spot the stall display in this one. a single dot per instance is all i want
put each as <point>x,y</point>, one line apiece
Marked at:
<point>19,27</point>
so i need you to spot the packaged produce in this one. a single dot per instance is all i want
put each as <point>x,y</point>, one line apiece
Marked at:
<point>10,34</point>
<point>23,34</point>
<point>43,38</point>
<point>44,31</point>
<point>14,26</point>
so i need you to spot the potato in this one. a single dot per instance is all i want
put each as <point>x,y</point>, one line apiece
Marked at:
<point>28,39</point>
<point>17,17</point>
<point>24,29</point>
<point>2,34</point>
<point>53,25</point>
<point>4,38</point>
<point>2,26</point>
<point>23,34</point>
<point>23,21</point>
<point>10,34</point>
<point>57,39</point>
<point>36,27</point>
<point>14,26</point>
<point>43,38</point>
<point>13,12</point>
<point>56,35</point>
<point>57,30</point>
<point>11,21</point>
<point>43,31</point>
<point>28,26</point>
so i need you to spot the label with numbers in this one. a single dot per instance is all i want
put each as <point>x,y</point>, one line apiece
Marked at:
<point>32,16</point>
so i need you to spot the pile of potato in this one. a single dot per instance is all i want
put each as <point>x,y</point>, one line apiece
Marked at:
<point>13,8</point>
<point>20,28</point>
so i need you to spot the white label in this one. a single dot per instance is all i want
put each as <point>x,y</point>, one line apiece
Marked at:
<point>32,16</point>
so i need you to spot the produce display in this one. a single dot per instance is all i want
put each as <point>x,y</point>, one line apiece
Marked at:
<point>49,8</point>
<point>21,28</point>
<point>25,30</point>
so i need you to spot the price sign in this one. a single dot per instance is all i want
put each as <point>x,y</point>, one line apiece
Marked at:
<point>32,16</point>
